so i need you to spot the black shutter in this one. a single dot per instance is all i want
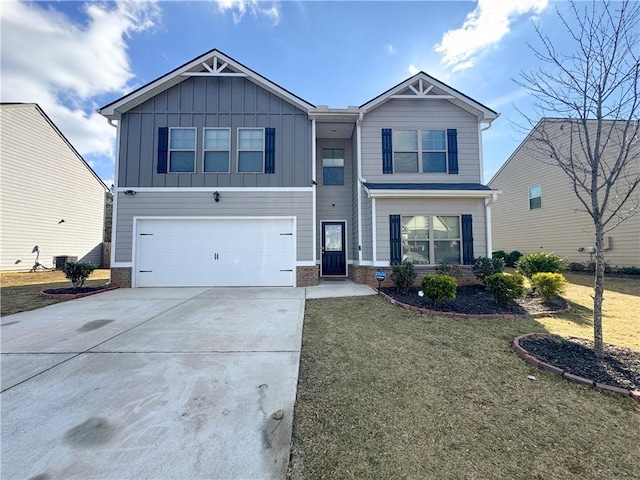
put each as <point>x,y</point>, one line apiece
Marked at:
<point>395,237</point>
<point>452,147</point>
<point>467,240</point>
<point>270,150</point>
<point>163,149</point>
<point>387,151</point>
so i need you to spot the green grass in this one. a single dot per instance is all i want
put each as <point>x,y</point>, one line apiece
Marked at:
<point>388,393</point>
<point>19,290</point>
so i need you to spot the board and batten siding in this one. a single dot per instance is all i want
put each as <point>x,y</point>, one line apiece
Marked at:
<point>201,204</point>
<point>334,202</point>
<point>401,114</point>
<point>561,225</point>
<point>43,181</point>
<point>214,102</point>
<point>431,206</point>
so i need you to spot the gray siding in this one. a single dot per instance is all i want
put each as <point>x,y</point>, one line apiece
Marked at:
<point>201,204</point>
<point>444,206</point>
<point>214,102</point>
<point>42,181</point>
<point>425,115</point>
<point>334,202</point>
<point>354,196</point>
<point>367,239</point>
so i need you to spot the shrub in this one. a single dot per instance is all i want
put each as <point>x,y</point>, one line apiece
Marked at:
<point>77,272</point>
<point>483,267</point>
<point>629,271</point>
<point>449,269</point>
<point>499,254</point>
<point>538,262</point>
<point>438,287</point>
<point>403,275</point>
<point>576,267</point>
<point>512,258</point>
<point>505,287</point>
<point>548,285</point>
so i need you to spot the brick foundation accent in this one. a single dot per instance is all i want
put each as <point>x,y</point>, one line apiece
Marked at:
<point>307,276</point>
<point>366,275</point>
<point>121,277</point>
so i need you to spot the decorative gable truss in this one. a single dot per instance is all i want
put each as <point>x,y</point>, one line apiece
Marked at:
<point>215,67</point>
<point>423,90</point>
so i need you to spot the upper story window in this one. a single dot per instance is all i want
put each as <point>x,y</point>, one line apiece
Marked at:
<point>182,150</point>
<point>419,151</point>
<point>250,150</point>
<point>333,166</point>
<point>217,144</point>
<point>535,197</point>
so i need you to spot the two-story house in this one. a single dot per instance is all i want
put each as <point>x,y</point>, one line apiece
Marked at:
<point>224,178</point>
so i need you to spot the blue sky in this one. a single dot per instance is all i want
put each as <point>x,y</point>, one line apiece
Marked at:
<point>73,57</point>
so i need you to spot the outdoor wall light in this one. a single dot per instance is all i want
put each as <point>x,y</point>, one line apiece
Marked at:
<point>130,192</point>
<point>216,196</point>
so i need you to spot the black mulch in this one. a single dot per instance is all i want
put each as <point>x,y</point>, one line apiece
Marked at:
<point>620,367</point>
<point>476,300</point>
<point>58,291</point>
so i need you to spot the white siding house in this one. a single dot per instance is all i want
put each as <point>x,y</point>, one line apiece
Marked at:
<point>49,196</point>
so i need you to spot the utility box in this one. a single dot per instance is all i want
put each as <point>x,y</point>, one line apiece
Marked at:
<point>60,260</point>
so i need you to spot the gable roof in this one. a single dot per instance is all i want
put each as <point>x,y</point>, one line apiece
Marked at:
<point>59,133</point>
<point>212,63</point>
<point>423,86</point>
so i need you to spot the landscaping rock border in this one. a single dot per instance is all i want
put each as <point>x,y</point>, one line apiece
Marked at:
<point>73,296</point>
<point>535,362</point>
<point>507,316</point>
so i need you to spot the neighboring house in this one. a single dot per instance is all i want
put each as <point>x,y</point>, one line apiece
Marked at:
<point>225,178</point>
<point>538,210</point>
<point>49,196</point>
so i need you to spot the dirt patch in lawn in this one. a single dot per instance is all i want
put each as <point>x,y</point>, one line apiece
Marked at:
<point>476,300</point>
<point>620,367</point>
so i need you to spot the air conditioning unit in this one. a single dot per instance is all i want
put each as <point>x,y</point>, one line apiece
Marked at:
<point>60,260</point>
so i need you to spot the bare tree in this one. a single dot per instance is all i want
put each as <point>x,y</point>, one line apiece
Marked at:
<point>592,83</point>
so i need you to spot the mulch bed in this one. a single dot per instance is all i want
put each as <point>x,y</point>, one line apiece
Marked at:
<point>72,291</point>
<point>620,367</point>
<point>476,300</point>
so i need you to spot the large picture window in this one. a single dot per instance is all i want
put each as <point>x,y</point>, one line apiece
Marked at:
<point>217,142</point>
<point>182,150</point>
<point>426,238</point>
<point>250,150</point>
<point>429,155</point>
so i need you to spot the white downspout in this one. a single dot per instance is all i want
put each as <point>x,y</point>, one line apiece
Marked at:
<point>487,215</point>
<point>360,182</point>
<point>114,212</point>
<point>313,186</point>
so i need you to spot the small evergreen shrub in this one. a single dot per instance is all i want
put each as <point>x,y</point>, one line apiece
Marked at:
<point>548,285</point>
<point>77,272</point>
<point>499,254</point>
<point>538,262</point>
<point>449,269</point>
<point>403,275</point>
<point>505,287</point>
<point>483,267</point>
<point>512,258</point>
<point>576,267</point>
<point>438,287</point>
<point>629,271</point>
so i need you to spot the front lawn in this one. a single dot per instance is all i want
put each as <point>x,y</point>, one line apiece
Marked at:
<point>19,290</point>
<point>389,393</point>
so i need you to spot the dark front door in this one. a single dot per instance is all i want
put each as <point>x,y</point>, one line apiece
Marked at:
<point>334,258</point>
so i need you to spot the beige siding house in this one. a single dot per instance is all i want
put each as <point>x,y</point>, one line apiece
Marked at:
<point>539,211</point>
<point>49,196</point>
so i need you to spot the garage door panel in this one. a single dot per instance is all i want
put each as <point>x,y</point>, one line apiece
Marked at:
<point>215,252</point>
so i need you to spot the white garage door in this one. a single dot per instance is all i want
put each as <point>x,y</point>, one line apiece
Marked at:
<point>214,252</point>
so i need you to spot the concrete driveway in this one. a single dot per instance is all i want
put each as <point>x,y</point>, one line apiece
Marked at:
<point>152,383</point>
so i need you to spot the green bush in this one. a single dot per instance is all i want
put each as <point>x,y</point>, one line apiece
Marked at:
<point>483,267</point>
<point>591,267</point>
<point>512,258</point>
<point>499,254</point>
<point>403,275</point>
<point>438,287</point>
<point>449,269</point>
<point>77,272</point>
<point>629,271</point>
<point>538,262</point>
<point>576,267</point>
<point>548,285</point>
<point>505,287</point>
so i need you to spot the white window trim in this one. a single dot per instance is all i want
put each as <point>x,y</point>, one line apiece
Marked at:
<point>529,197</point>
<point>420,151</point>
<point>205,150</point>
<point>250,150</point>
<point>322,166</point>
<point>431,239</point>
<point>169,149</point>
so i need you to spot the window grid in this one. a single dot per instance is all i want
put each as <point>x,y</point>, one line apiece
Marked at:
<point>251,150</point>
<point>182,150</point>
<point>431,150</point>
<point>333,166</point>
<point>216,142</point>
<point>431,239</point>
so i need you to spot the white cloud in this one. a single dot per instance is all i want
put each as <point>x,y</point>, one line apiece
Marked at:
<point>413,69</point>
<point>50,60</point>
<point>239,8</point>
<point>390,49</point>
<point>483,28</point>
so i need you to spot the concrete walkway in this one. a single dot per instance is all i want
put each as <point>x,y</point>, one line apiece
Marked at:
<point>160,383</point>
